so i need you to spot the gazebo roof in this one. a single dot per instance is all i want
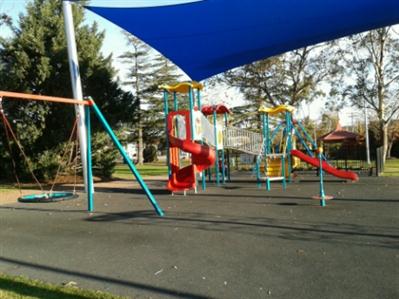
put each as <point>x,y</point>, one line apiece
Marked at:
<point>339,135</point>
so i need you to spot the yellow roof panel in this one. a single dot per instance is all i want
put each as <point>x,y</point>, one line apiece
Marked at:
<point>277,109</point>
<point>182,87</point>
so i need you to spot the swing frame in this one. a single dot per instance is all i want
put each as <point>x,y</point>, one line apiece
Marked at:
<point>89,104</point>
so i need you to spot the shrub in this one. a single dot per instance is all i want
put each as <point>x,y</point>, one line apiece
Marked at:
<point>150,153</point>
<point>104,155</point>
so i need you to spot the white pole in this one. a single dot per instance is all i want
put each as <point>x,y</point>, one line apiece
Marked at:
<point>366,125</point>
<point>76,83</point>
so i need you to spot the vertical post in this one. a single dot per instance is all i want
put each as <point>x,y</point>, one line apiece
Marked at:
<point>216,147</point>
<point>166,112</point>
<point>203,174</point>
<point>175,102</point>
<point>223,168</point>
<point>322,194</point>
<point>129,162</point>
<point>366,132</point>
<point>289,145</point>
<point>192,131</point>
<point>257,169</point>
<point>90,201</point>
<point>191,108</point>
<point>76,85</point>
<point>283,171</point>
<point>226,124</point>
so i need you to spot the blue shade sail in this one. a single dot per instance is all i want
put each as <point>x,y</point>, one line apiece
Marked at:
<point>208,37</point>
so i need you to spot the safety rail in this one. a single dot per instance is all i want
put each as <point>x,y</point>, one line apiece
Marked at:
<point>242,140</point>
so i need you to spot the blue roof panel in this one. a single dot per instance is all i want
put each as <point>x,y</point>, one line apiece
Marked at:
<point>208,37</point>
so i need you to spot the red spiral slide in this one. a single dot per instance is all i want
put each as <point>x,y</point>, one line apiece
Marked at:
<point>347,175</point>
<point>202,156</point>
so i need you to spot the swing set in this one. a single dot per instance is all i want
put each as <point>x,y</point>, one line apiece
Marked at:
<point>70,151</point>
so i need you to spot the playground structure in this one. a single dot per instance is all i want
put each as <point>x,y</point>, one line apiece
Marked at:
<point>274,149</point>
<point>183,129</point>
<point>208,141</point>
<point>279,161</point>
<point>87,104</point>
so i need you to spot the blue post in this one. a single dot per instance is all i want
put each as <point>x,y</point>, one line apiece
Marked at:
<point>191,108</point>
<point>216,148</point>
<point>133,169</point>
<point>175,101</point>
<point>226,124</point>
<point>90,201</point>
<point>322,194</point>
<point>289,145</point>
<point>166,112</point>
<point>283,171</point>
<point>257,169</point>
<point>265,135</point>
<point>223,168</point>
<point>203,175</point>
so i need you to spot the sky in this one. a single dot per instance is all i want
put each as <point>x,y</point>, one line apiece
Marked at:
<point>115,44</point>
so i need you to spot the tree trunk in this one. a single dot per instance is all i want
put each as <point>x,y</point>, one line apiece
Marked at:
<point>390,145</point>
<point>141,145</point>
<point>384,138</point>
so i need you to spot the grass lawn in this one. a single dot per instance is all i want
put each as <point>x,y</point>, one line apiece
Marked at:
<point>6,188</point>
<point>122,171</point>
<point>20,287</point>
<point>391,167</point>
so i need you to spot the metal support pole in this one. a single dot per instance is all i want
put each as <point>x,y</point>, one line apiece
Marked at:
<point>322,194</point>
<point>283,171</point>
<point>76,85</point>
<point>226,124</point>
<point>257,169</point>
<point>192,131</point>
<point>366,132</point>
<point>166,112</point>
<point>175,102</point>
<point>203,174</point>
<point>90,201</point>
<point>289,145</point>
<point>216,148</point>
<point>129,162</point>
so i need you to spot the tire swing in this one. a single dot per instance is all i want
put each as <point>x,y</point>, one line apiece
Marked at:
<point>50,195</point>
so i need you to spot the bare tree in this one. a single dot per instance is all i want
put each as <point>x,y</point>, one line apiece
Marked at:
<point>370,75</point>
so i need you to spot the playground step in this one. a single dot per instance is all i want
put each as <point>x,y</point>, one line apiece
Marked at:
<point>272,179</point>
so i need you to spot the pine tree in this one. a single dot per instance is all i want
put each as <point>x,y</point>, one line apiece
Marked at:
<point>34,60</point>
<point>147,71</point>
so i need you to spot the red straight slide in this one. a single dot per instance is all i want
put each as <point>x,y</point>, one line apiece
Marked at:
<point>347,175</point>
<point>202,157</point>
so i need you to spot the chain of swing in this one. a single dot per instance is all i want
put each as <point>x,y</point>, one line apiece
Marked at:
<point>69,150</point>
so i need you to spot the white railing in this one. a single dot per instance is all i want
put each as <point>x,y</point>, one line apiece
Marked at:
<point>243,140</point>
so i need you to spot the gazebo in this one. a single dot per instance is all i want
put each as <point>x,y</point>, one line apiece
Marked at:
<point>349,144</point>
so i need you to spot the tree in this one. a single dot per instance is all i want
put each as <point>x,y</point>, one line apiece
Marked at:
<point>167,73</point>
<point>147,71</point>
<point>291,78</point>
<point>34,60</point>
<point>140,79</point>
<point>369,76</point>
